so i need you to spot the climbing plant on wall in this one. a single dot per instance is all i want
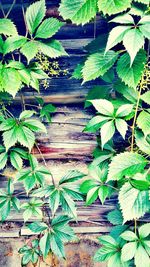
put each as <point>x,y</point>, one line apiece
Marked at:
<point>24,61</point>
<point>122,111</point>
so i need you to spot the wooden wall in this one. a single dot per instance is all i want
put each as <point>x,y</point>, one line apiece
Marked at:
<point>66,147</point>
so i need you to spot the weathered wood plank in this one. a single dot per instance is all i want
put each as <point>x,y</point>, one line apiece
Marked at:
<point>78,230</point>
<point>10,233</point>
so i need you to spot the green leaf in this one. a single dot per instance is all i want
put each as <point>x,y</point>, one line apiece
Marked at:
<point>26,114</point>
<point>133,202</point>
<point>107,132</point>
<point>121,126</point>
<point>71,176</point>
<point>78,11</point>
<point>21,152</point>
<point>144,20</point>
<point>35,14</point>
<point>116,36</point>
<point>108,241</point>
<point>3,160</point>
<point>68,204</point>
<point>138,9</point>
<point>142,143</point>
<point>129,236</point>
<point>7,27</point>
<point>123,19</point>
<point>124,110</point>
<point>27,214</point>
<point>98,44</point>
<point>146,97</point>
<point>143,122</point>
<point>95,123</point>
<point>143,1</point>
<point>10,138</point>
<point>37,227</point>
<point>133,40</point>
<point>25,137</point>
<point>35,125</point>
<point>46,111</point>
<point>145,30</point>
<point>103,106</point>
<point>11,81</point>
<point>77,73</point>
<point>57,247</point>
<point>144,230</point>
<point>92,195</point>
<point>15,160</point>
<point>1,44</point>
<point>131,75</point>
<point>147,246</point>
<point>98,92</point>
<point>54,200</point>
<point>15,203</point>
<point>113,7</point>
<point>103,254</point>
<point>16,65</point>
<point>25,76</point>
<point>129,93</point>
<point>115,260</point>
<point>4,212</point>
<point>13,43</point>
<point>141,257</point>
<point>86,185</point>
<point>115,217</point>
<point>52,49</point>
<point>103,193</point>
<point>98,64</point>
<point>129,163</point>
<point>26,258</point>
<point>7,124</point>
<point>140,184</point>
<point>45,244</point>
<point>48,28</point>
<point>60,221</point>
<point>29,50</point>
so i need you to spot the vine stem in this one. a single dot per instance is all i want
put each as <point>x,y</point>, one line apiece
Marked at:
<point>53,181</point>
<point>135,117</point>
<point>12,5</point>
<point>133,131</point>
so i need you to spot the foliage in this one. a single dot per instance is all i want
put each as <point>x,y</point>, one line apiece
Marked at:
<point>122,111</point>
<point>128,246</point>
<point>120,59</point>
<point>19,135</point>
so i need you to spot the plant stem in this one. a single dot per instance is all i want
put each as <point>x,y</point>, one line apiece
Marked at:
<point>112,187</point>
<point>13,3</point>
<point>133,129</point>
<point>30,105</point>
<point>2,9</point>
<point>23,102</point>
<point>135,226</point>
<point>24,17</point>
<point>9,113</point>
<point>53,181</point>
<point>135,115</point>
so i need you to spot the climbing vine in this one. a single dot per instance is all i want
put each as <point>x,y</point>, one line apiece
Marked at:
<point>26,62</point>
<point>119,60</point>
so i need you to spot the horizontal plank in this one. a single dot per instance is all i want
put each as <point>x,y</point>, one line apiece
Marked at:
<point>77,230</point>
<point>60,91</point>
<point>11,233</point>
<point>65,151</point>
